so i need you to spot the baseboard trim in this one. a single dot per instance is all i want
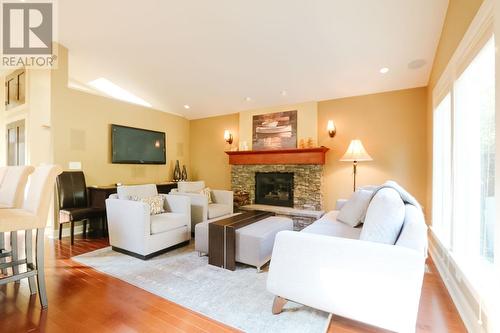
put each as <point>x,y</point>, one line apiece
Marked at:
<point>54,233</point>
<point>151,255</point>
<point>468,315</point>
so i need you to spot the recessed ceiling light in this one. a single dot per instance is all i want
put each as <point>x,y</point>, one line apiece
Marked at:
<point>109,88</point>
<point>417,63</point>
<point>248,99</point>
<point>383,70</point>
<point>186,106</point>
<point>283,93</point>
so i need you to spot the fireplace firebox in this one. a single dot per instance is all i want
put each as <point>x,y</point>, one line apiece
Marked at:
<point>274,188</point>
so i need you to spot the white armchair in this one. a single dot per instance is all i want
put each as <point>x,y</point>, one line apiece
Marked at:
<point>201,210</point>
<point>132,230</point>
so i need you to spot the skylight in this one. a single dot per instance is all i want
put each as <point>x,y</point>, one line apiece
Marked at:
<point>109,88</point>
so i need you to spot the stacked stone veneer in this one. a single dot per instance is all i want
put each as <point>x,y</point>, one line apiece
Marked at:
<point>307,182</point>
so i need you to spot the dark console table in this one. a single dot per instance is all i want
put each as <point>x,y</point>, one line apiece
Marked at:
<point>99,194</point>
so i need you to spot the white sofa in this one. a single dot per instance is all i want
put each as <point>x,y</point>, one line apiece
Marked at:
<point>201,210</point>
<point>327,267</point>
<point>132,230</point>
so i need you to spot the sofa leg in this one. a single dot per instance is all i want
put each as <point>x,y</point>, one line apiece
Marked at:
<point>278,304</point>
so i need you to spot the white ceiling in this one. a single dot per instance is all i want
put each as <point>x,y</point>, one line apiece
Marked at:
<point>213,54</point>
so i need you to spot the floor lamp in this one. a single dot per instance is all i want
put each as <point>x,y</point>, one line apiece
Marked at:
<point>355,153</point>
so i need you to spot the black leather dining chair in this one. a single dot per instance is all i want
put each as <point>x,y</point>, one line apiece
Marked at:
<point>74,203</point>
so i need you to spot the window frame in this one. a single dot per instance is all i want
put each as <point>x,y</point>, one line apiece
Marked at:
<point>478,34</point>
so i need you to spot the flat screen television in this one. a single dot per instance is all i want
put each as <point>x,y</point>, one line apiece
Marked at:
<point>131,145</point>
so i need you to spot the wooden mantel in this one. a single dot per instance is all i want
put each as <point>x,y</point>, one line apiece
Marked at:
<point>279,156</point>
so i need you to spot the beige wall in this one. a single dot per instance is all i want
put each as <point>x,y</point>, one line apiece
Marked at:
<point>458,18</point>
<point>208,160</point>
<point>392,127</point>
<point>307,114</point>
<point>38,129</point>
<point>81,132</point>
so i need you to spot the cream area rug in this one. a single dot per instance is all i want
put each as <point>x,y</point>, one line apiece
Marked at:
<point>237,298</point>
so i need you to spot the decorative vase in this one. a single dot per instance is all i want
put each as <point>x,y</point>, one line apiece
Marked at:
<point>310,143</point>
<point>184,175</point>
<point>302,144</point>
<point>177,172</point>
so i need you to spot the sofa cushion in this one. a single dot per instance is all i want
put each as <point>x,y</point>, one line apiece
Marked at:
<point>216,210</point>
<point>384,217</point>
<point>414,232</point>
<point>139,191</point>
<point>354,210</point>
<point>167,221</point>
<point>329,226</point>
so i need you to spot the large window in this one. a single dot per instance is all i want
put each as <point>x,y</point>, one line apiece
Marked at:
<point>474,157</point>
<point>464,163</point>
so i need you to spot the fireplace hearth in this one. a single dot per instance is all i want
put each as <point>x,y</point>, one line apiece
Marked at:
<point>274,188</point>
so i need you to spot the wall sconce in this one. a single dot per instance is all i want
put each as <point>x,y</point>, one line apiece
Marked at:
<point>228,137</point>
<point>331,128</point>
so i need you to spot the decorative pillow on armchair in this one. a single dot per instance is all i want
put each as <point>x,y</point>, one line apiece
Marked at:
<point>208,193</point>
<point>155,204</point>
<point>354,209</point>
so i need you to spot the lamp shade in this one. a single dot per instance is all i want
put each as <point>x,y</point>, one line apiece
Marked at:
<point>330,126</point>
<point>356,152</point>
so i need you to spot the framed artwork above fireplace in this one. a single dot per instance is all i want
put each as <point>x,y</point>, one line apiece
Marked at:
<point>274,130</point>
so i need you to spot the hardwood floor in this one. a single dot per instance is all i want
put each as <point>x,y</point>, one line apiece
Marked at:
<point>84,300</point>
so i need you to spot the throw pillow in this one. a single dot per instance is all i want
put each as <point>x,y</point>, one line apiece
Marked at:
<point>384,217</point>
<point>354,210</point>
<point>155,204</point>
<point>208,193</point>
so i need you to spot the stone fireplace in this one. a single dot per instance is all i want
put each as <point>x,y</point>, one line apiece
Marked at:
<point>274,188</point>
<point>307,179</point>
<point>286,182</point>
